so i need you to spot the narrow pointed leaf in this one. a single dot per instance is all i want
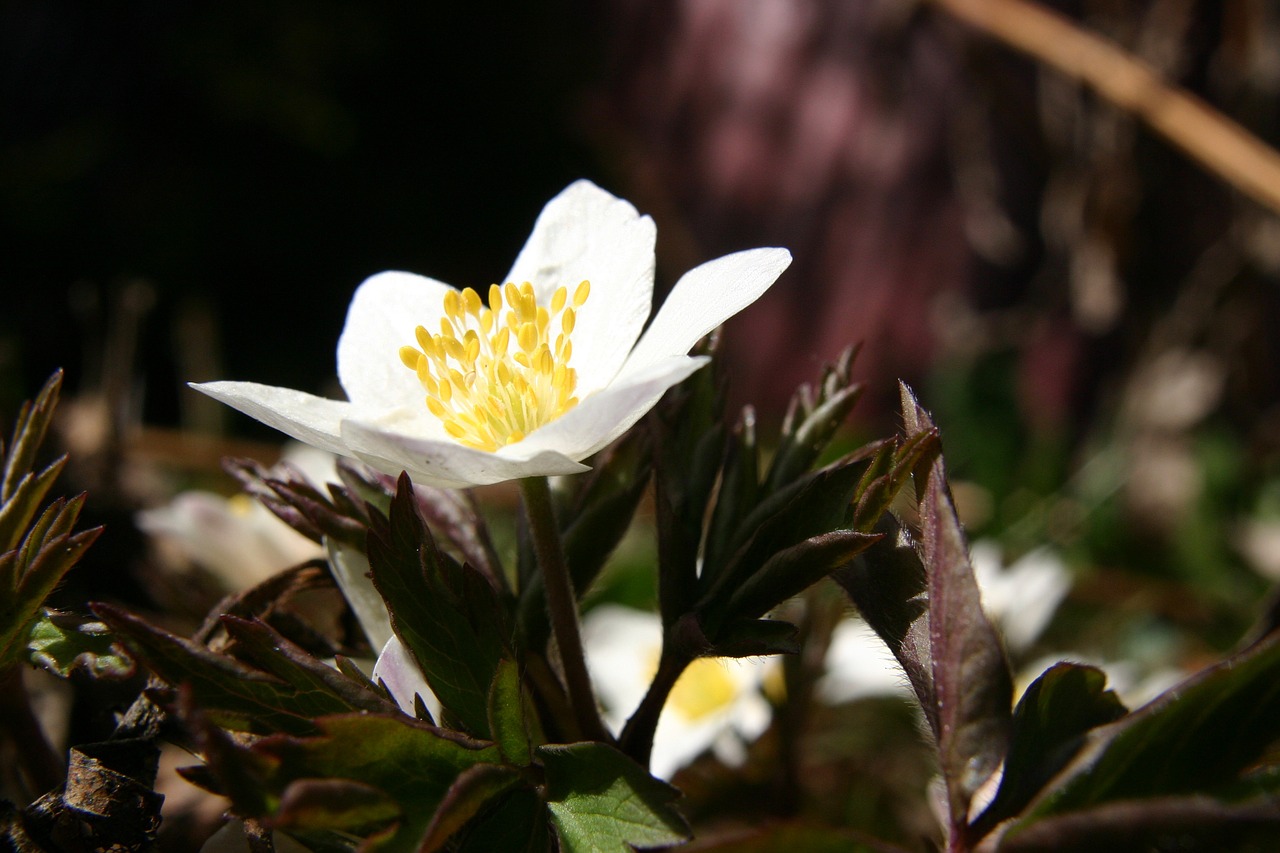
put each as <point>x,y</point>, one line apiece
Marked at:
<point>28,434</point>
<point>973,688</point>
<point>794,570</point>
<point>474,789</point>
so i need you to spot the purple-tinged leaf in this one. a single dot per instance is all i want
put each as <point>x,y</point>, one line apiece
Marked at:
<point>793,570</point>
<point>473,790</point>
<point>339,804</point>
<point>1190,822</point>
<point>28,434</point>
<point>973,689</point>
<point>812,420</point>
<point>890,588</point>
<point>20,508</point>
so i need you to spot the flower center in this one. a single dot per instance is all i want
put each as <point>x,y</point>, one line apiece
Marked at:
<point>702,689</point>
<point>493,375</point>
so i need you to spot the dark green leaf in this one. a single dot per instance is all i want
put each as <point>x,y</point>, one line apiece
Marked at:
<point>340,804</point>
<point>813,420</point>
<point>448,616</point>
<point>16,512</point>
<point>1197,737</point>
<point>603,802</point>
<point>812,506</point>
<point>1191,823</point>
<point>28,434</point>
<point>397,762</point>
<point>517,824</point>
<point>688,445</point>
<point>888,584</point>
<point>794,569</point>
<point>235,694</point>
<point>739,489</point>
<point>972,685</point>
<point>475,788</point>
<point>64,642</point>
<point>1049,727</point>
<point>756,637</point>
<point>509,715</point>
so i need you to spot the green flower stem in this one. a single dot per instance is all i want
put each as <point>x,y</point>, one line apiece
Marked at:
<point>562,605</point>
<point>637,736</point>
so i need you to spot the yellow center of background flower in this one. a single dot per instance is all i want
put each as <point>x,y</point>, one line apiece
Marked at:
<point>702,689</point>
<point>495,374</point>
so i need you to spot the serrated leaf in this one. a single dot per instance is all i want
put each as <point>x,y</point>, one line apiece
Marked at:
<point>1197,737</point>
<point>447,616</point>
<point>973,688</point>
<point>65,642</point>
<point>236,695</point>
<point>397,760</point>
<point>452,514</point>
<point>603,802</point>
<point>1049,727</point>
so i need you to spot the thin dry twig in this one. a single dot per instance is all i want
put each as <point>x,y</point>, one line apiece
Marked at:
<point>1218,143</point>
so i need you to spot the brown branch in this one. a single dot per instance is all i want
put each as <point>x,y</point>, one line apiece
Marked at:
<point>1218,143</point>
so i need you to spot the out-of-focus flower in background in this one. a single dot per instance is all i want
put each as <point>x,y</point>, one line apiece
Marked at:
<point>718,704</point>
<point>529,386</point>
<point>236,539</point>
<point>1020,599</point>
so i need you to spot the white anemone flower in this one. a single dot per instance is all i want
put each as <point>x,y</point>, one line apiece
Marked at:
<point>554,367</point>
<point>717,704</point>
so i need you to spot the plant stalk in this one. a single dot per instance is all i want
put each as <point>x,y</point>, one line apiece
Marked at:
<point>562,605</point>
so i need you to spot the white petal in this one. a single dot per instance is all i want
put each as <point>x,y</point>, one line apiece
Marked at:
<point>705,297</point>
<point>605,415</point>
<point>446,464</point>
<point>384,312</point>
<point>397,669</point>
<point>310,419</point>
<point>584,233</point>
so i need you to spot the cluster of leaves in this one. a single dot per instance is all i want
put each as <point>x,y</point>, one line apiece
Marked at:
<point>1071,767</point>
<point>326,755</point>
<point>320,751</point>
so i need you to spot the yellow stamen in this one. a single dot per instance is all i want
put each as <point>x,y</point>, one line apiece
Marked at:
<point>704,688</point>
<point>495,374</point>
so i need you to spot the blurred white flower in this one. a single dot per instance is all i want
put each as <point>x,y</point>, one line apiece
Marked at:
<point>237,539</point>
<point>717,704</point>
<point>552,370</point>
<point>1020,600</point>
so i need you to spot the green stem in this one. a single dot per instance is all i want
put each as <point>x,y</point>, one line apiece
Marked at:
<point>562,605</point>
<point>636,739</point>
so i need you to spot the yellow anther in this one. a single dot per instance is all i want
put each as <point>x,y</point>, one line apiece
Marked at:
<point>487,392</point>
